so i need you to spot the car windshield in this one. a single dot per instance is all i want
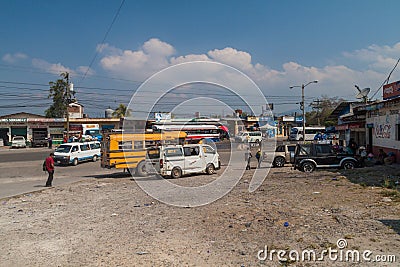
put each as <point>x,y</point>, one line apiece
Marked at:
<point>18,138</point>
<point>294,131</point>
<point>92,132</point>
<point>63,149</point>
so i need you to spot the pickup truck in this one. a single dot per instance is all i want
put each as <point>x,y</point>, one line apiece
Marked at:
<point>282,154</point>
<point>309,157</point>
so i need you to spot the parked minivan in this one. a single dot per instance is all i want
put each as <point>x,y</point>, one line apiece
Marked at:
<point>178,160</point>
<point>251,137</point>
<point>73,153</point>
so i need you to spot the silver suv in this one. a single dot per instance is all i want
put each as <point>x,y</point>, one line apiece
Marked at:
<point>282,154</point>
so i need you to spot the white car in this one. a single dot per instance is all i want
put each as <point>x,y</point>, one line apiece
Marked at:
<point>251,137</point>
<point>73,153</point>
<point>18,141</point>
<point>175,161</point>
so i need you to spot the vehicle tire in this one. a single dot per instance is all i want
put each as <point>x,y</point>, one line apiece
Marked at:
<point>279,162</point>
<point>94,159</point>
<point>176,173</point>
<point>141,169</point>
<point>210,169</point>
<point>308,167</point>
<point>75,162</point>
<point>348,165</point>
<point>131,171</point>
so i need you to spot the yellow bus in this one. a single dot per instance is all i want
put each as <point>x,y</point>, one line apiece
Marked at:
<point>128,151</point>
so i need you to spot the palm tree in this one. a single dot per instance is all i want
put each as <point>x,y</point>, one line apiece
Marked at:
<point>121,111</point>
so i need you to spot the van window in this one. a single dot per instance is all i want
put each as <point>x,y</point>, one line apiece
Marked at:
<point>173,152</point>
<point>209,150</point>
<point>75,148</point>
<point>191,151</point>
<point>85,147</point>
<point>95,145</point>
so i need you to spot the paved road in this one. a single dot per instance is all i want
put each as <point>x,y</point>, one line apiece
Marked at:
<point>21,172</point>
<point>23,154</point>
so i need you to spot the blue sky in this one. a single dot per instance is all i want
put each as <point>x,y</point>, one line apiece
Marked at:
<point>276,43</point>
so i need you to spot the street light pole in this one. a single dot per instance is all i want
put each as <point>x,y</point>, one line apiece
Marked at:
<point>302,105</point>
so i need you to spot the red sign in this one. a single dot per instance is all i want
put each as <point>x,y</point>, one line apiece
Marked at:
<point>391,90</point>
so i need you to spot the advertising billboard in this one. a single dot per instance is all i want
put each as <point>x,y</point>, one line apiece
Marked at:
<point>391,90</point>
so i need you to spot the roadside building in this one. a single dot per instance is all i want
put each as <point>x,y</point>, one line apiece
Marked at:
<point>350,117</point>
<point>28,125</point>
<point>383,121</point>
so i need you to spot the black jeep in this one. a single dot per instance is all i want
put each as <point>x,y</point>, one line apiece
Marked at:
<point>308,157</point>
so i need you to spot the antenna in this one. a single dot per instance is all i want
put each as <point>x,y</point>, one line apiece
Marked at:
<point>363,93</point>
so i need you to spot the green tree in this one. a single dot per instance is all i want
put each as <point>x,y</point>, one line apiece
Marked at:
<point>322,111</point>
<point>61,95</point>
<point>121,111</point>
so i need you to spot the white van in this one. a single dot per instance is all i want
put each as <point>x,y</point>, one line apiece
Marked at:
<point>251,137</point>
<point>73,153</point>
<point>178,160</point>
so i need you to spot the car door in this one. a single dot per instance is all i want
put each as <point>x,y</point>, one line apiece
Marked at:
<point>173,157</point>
<point>290,152</point>
<point>75,153</point>
<point>210,156</point>
<point>325,156</point>
<point>84,153</point>
<point>194,161</point>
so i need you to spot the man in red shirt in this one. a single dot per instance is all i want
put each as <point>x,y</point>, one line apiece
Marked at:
<point>50,169</point>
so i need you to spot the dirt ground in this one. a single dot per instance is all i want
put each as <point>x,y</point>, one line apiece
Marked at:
<point>112,222</point>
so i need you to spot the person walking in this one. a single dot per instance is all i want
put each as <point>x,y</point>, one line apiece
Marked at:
<point>50,169</point>
<point>50,142</point>
<point>247,158</point>
<point>258,157</point>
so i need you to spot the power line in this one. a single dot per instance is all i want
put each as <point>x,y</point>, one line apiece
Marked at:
<point>387,79</point>
<point>104,39</point>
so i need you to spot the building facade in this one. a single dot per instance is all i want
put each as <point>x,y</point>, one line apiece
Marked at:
<point>25,124</point>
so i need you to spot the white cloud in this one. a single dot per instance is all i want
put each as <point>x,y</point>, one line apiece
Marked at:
<point>232,57</point>
<point>13,58</point>
<point>189,58</point>
<point>56,68</point>
<point>334,79</point>
<point>376,57</point>
<point>150,58</point>
<point>156,47</point>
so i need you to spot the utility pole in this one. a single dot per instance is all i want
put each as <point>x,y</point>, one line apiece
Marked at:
<point>69,89</point>
<point>316,105</point>
<point>302,105</point>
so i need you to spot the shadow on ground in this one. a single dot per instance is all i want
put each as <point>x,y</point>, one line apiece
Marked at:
<point>393,224</point>
<point>387,176</point>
